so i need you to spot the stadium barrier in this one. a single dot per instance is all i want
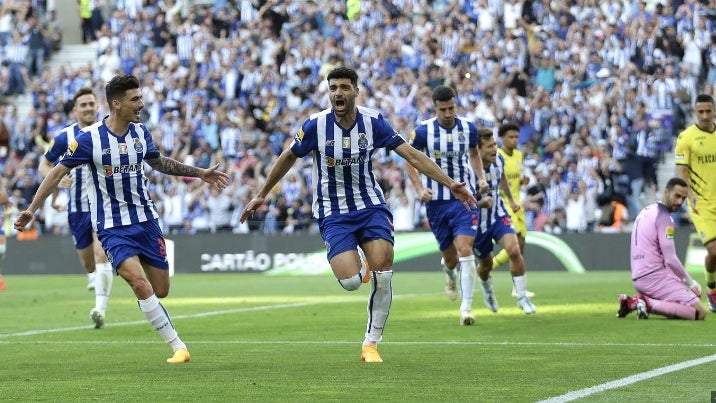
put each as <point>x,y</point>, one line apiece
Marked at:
<point>305,253</point>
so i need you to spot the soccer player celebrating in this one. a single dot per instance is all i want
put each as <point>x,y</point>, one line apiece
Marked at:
<point>347,200</point>
<point>658,276</point>
<point>495,224</point>
<point>509,133</point>
<point>123,214</point>
<point>695,158</point>
<point>88,247</point>
<point>449,140</point>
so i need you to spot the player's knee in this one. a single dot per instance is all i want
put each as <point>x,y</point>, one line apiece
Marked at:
<point>351,283</point>
<point>514,252</point>
<point>161,292</point>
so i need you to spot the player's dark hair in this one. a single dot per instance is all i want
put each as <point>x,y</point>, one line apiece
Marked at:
<point>343,72</point>
<point>443,93</point>
<point>82,91</point>
<point>506,128</point>
<point>118,86</point>
<point>704,98</point>
<point>483,135</point>
<point>675,181</point>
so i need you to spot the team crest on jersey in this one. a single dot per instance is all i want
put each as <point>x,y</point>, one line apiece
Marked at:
<point>123,149</point>
<point>72,147</point>
<point>362,141</point>
<point>346,142</point>
<point>461,137</point>
<point>669,232</point>
<point>138,147</point>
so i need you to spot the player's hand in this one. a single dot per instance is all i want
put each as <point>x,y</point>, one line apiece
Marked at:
<point>694,286</point>
<point>515,206</point>
<point>24,218</point>
<point>462,194</point>
<point>482,186</point>
<point>65,182</point>
<point>216,178</point>
<point>426,194</point>
<point>251,208</point>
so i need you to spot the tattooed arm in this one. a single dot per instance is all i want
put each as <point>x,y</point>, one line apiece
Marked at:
<point>173,167</point>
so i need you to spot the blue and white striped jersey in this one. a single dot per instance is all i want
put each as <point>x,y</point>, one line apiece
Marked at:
<point>117,189</point>
<point>78,200</point>
<point>449,149</point>
<point>495,213</point>
<point>342,168</point>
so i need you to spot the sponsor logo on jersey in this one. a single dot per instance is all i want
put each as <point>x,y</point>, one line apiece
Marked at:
<point>121,169</point>
<point>299,134</point>
<point>344,162</point>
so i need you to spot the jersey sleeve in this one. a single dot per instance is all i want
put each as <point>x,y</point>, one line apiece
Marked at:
<point>79,151</point>
<point>418,137</point>
<point>682,150</point>
<point>58,147</point>
<point>152,150</point>
<point>306,138</point>
<point>472,135</point>
<point>385,136</point>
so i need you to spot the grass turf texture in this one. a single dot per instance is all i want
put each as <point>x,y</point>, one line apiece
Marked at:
<point>261,338</point>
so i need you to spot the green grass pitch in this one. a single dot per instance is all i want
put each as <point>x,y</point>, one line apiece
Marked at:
<point>266,338</point>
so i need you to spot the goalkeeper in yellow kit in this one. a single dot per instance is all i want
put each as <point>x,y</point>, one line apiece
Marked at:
<point>509,133</point>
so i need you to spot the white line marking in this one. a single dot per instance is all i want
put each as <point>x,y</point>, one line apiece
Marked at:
<point>205,314</point>
<point>578,394</point>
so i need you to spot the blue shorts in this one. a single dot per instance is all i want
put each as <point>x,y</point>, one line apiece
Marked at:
<point>483,241</point>
<point>343,232</point>
<point>81,228</point>
<point>143,239</point>
<point>448,219</point>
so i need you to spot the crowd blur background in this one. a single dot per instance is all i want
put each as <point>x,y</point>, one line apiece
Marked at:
<point>600,89</point>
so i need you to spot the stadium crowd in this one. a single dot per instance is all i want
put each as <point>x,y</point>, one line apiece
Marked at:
<point>599,89</point>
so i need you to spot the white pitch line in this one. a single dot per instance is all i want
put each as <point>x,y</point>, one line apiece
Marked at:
<point>619,383</point>
<point>340,342</point>
<point>203,314</point>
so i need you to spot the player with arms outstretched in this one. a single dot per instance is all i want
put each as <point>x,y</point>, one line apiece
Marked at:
<point>347,200</point>
<point>123,214</point>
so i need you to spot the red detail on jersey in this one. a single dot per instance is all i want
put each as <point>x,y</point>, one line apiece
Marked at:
<point>162,246</point>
